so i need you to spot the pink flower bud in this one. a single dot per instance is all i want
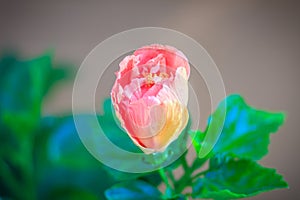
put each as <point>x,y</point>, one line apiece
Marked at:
<point>150,96</point>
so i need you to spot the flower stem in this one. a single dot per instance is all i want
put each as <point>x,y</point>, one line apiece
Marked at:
<point>186,179</point>
<point>172,178</point>
<point>185,165</point>
<point>169,189</point>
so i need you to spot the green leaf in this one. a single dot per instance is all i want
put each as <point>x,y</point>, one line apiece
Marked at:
<point>246,130</point>
<point>131,190</point>
<point>237,179</point>
<point>197,139</point>
<point>71,193</point>
<point>59,143</point>
<point>23,85</point>
<point>61,160</point>
<point>153,178</point>
<point>178,197</point>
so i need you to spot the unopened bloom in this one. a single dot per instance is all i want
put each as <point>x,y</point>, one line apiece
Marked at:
<point>150,96</point>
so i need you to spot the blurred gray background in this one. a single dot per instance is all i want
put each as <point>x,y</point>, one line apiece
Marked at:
<point>255,44</point>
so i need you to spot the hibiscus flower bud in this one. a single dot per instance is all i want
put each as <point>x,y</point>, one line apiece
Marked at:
<point>150,96</point>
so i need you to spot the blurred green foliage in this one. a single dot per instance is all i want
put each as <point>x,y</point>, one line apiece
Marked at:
<point>43,157</point>
<point>23,85</point>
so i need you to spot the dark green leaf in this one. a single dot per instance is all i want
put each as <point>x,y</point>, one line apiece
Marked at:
<point>23,84</point>
<point>71,193</point>
<point>218,159</point>
<point>237,179</point>
<point>178,197</point>
<point>246,130</point>
<point>62,160</point>
<point>197,139</point>
<point>131,190</point>
<point>62,144</point>
<point>153,178</point>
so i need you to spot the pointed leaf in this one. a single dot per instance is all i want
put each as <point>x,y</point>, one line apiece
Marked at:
<point>246,130</point>
<point>237,179</point>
